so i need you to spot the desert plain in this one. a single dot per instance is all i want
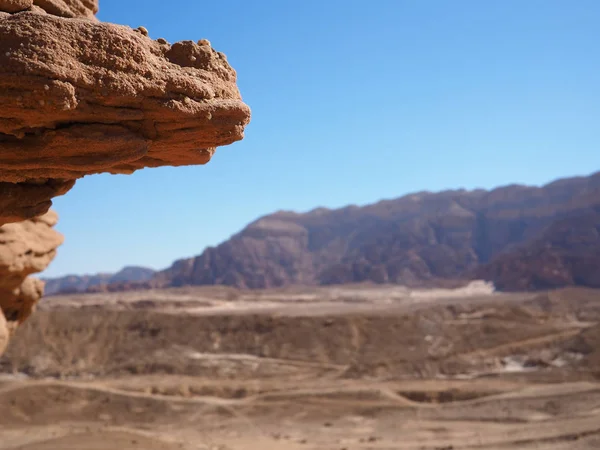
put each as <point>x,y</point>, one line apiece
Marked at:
<point>346,367</point>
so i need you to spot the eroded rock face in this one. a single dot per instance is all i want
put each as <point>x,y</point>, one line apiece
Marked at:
<point>62,8</point>
<point>81,97</point>
<point>4,335</point>
<point>20,201</point>
<point>25,248</point>
<point>69,8</point>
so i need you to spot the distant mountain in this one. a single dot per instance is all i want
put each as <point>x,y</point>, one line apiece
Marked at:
<point>508,235</point>
<point>82,283</point>
<point>567,253</point>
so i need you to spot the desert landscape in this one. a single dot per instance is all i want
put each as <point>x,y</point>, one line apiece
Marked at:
<point>465,317</point>
<point>345,367</point>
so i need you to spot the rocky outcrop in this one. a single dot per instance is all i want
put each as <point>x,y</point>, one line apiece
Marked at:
<point>25,248</point>
<point>80,97</point>
<point>414,240</point>
<point>62,8</point>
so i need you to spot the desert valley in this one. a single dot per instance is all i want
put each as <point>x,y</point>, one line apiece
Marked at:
<point>448,320</point>
<point>520,238</point>
<point>345,367</point>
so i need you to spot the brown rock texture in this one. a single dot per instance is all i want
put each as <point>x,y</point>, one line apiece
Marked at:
<point>20,201</point>
<point>25,248</point>
<point>4,334</point>
<point>81,97</point>
<point>62,8</point>
<point>13,6</point>
<point>69,8</point>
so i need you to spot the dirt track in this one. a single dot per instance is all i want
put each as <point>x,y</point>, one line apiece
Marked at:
<point>355,371</point>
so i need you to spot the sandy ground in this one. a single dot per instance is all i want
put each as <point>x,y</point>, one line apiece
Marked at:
<point>339,368</point>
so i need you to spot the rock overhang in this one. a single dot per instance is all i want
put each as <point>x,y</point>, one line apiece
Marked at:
<point>81,97</point>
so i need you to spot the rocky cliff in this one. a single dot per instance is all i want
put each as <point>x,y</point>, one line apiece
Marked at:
<point>500,235</point>
<point>566,253</point>
<point>79,97</point>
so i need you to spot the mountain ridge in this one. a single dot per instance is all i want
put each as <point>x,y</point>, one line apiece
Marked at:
<point>81,283</point>
<point>418,238</point>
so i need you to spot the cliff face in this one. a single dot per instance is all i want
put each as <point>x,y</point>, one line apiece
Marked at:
<point>414,239</point>
<point>79,97</point>
<point>566,253</point>
<point>62,8</point>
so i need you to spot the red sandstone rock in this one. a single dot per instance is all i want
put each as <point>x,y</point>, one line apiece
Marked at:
<point>25,248</point>
<point>69,8</point>
<point>62,8</point>
<point>79,97</point>
<point>13,6</point>
<point>82,97</point>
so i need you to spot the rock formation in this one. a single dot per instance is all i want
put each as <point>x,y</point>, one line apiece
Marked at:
<point>61,8</point>
<point>26,247</point>
<point>79,97</point>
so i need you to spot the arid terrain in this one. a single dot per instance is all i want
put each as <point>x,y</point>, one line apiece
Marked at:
<point>328,351</point>
<point>354,367</point>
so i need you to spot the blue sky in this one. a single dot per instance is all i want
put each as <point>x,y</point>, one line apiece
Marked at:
<point>352,101</point>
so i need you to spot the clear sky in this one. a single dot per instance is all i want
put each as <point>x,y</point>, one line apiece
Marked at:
<point>352,101</point>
